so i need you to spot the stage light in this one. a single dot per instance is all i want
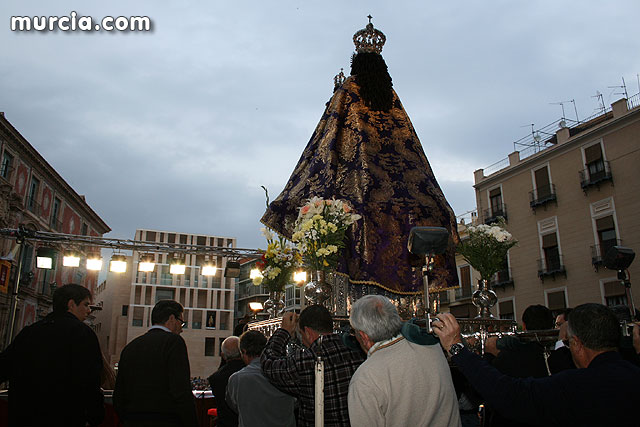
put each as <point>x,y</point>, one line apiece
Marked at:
<point>146,263</point>
<point>232,270</point>
<point>300,276</point>
<point>209,270</point>
<point>177,266</point>
<point>44,258</point>
<point>118,263</point>
<point>94,263</point>
<point>71,259</point>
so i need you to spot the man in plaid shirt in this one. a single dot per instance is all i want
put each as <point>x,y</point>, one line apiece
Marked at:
<point>294,373</point>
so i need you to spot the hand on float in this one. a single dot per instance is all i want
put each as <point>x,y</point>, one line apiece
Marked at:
<point>491,346</point>
<point>636,338</point>
<point>289,322</point>
<point>447,329</point>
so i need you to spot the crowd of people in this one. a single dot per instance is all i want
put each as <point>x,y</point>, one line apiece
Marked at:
<point>386,372</point>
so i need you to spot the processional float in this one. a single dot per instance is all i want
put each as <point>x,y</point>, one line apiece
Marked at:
<point>366,154</point>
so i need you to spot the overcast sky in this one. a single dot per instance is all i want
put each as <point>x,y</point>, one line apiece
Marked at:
<point>177,129</point>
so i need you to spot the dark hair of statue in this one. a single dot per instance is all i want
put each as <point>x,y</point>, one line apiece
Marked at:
<point>63,294</point>
<point>373,78</point>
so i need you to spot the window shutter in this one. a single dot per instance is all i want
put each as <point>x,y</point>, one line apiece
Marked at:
<point>556,300</point>
<point>593,153</point>
<point>605,223</point>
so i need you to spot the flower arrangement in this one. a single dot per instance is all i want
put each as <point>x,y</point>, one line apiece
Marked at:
<point>486,248</point>
<point>319,231</point>
<point>278,262</point>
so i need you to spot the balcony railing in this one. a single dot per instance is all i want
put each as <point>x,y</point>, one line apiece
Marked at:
<point>464,292</point>
<point>550,267</point>
<point>542,195</point>
<point>502,279</point>
<point>589,178</point>
<point>493,214</point>
<point>599,251</point>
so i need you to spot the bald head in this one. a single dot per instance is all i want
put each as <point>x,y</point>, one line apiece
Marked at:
<point>231,348</point>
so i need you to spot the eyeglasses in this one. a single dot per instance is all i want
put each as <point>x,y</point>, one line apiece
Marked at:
<point>182,322</point>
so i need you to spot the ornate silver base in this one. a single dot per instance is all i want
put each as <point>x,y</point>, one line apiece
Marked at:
<point>484,298</point>
<point>274,305</point>
<point>317,291</point>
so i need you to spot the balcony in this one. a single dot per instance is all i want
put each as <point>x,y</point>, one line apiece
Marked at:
<point>542,196</point>
<point>551,267</point>
<point>590,177</point>
<point>502,279</point>
<point>599,251</point>
<point>493,214</point>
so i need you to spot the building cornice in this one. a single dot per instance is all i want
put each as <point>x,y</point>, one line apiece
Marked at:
<point>48,171</point>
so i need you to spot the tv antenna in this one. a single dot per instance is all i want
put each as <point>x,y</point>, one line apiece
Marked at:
<point>601,107</point>
<point>623,87</point>
<point>563,122</point>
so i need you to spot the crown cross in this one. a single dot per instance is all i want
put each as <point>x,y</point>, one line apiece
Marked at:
<point>369,40</point>
<point>338,79</point>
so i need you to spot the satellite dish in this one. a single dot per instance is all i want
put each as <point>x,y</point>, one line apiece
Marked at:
<point>562,124</point>
<point>536,137</point>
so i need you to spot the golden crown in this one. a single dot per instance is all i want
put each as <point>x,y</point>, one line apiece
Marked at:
<point>369,40</point>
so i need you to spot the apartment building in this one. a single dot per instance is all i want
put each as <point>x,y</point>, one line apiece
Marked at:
<point>567,198</point>
<point>35,196</point>
<point>208,300</point>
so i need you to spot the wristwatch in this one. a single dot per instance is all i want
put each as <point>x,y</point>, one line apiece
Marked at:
<point>456,348</point>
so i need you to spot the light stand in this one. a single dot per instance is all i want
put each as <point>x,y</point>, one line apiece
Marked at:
<point>428,242</point>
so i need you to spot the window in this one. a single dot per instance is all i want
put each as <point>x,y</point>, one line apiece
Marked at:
<point>543,186</point>
<point>125,310</point>
<point>85,229</point>
<point>556,301</point>
<point>495,200</point>
<point>211,320</point>
<point>196,320</point>
<point>551,252</point>
<point>151,236</point>
<point>209,346</point>
<point>33,194</point>
<point>465,282</point>
<point>464,311</point>
<point>162,293</point>
<point>506,310</point>
<point>138,316</point>
<point>606,231</point>
<point>7,163</point>
<point>614,293</point>
<point>55,213</point>
<point>594,162</point>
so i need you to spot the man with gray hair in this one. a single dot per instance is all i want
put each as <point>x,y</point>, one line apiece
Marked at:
<point>219,380</point>
<point>400,383</point>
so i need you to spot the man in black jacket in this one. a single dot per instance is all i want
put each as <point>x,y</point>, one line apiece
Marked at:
<point>603,391</point>
<point>54,366</point>
<point>153,386</point>
<point>219,379</point>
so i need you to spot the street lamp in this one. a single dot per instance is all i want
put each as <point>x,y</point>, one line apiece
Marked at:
<point>177,266</point>
<point>209,270</point>
<point>71,259</point>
